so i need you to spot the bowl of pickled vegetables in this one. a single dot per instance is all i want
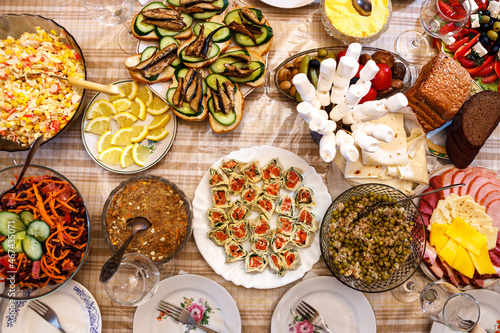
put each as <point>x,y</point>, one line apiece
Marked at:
<point>376,252</point>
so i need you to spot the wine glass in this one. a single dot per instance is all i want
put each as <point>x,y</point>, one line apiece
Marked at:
<point>135,281</point>
<point>113,12</point>
<point>440,19</point>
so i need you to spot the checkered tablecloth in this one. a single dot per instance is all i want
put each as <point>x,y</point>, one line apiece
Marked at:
<point>269,119</point>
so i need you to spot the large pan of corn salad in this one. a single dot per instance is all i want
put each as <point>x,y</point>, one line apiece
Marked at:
<point>36,54</point>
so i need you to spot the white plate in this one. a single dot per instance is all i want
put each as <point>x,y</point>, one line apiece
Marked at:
<point>490,311</point>
<point>159,149</point>
<point>215,255</point>
<point>343,309</point>
<point>288,3</point>
<point>75,306</point>
<point>206,295</point>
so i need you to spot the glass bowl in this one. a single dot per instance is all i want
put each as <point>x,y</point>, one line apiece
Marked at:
<point>15,25</point>
<point>417,246</point>
<point>407,80</point>
<point>347,39</point>
<point>148,213</point>
<point>7,176</point>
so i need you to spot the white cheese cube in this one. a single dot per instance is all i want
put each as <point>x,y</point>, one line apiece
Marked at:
<point>494,8</point>
<point>480,50</point>
<point>448,40</point>
<point>472,5</point>
<point>474,21</point>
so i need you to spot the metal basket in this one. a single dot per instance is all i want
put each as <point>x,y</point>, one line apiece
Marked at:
<point>406,269</point>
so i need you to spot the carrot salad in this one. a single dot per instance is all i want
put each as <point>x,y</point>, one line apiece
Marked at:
<point>56,203</point>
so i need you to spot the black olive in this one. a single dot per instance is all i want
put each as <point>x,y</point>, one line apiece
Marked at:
<point>486,26</point>
<point>485,12</point>
<point>484,41</point>
<point>494,49</point>
<point>316,136</point>
<point>353,80</point>
<point>314,63</point>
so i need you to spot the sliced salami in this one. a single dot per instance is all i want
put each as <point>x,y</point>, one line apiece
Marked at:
<point>435,182</point>
<point>426,218</point>
<point>495,258</point>
<point>425,208</point>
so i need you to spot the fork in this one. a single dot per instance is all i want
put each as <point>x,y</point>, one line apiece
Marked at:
<point>181,314</point>
<point>46,313</point>
<point>311,315</point>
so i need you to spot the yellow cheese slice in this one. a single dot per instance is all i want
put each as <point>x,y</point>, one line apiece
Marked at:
<point>449,252</point>
<point>482,263</point>
<point>463,262</point>
<point>465,235</point>
<point>490,233</point>
<point>441,242</point>
<point>437,231</point>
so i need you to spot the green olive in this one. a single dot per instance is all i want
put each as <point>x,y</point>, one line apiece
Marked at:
<point>484,19</point>
<point>496,26</point>
<point>322,53</point>
<point>492,35</point>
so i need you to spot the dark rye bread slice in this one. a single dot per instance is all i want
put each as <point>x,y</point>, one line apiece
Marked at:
<point>476,120</point>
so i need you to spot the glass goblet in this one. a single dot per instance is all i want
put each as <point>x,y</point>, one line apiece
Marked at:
<point>439,18</point>
<point>114,12</point>
<point>135,281</point>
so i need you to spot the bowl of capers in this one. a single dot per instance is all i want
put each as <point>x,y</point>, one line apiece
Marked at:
<point>379,251</point>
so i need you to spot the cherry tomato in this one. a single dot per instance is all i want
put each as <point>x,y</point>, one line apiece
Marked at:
<point>370,96</point>
<point>490,79</point>
<point>383,79</point>
<point>466,62</point>
<point>340,55</point>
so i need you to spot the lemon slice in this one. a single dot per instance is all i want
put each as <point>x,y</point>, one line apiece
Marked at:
<point>140,154</point>
<point>98,125</point>
<point>125,119</point>
<point>122,137</point>
<point>130,89</point>
<point>111,155</point>
<point>158,106</point>
<point>104,142</point>
<point>159,121</point>
<point>122,104</point>
<point>139,133</point>
<point>126,159</point>
<point>99,108</point>
<point>157,134</point>
<point>146,95</point>
<point>113,98</point>
<point>138,109</point>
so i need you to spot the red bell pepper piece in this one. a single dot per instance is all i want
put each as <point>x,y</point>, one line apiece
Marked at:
<point>464,48</point>
<point>476,71</point>
<point>490,79</point>
<point>6,262</point>
<point>454,46</point>
<point>497,71</point>
<point>466,62</point>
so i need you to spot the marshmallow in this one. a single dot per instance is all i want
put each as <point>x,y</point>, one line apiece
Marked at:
<point>383,132</point>
<point>315,103</point>
<point>367,128</point>
<point>354,94</point>
<point>317,123</point>
<point>339,111</point>
<point>323,97</point>
<point>304,87</point>
<point>349,152</point>
<point>396,102</point>
<point>324,84</point>
<point>348,119</point>
<point>340,81</point>
<point>343,138</point>
<point>327,148</point>
<point>365,142</point>
<point>353,51</point>
<point>370,110</point>
<point>347,67</point>
<point>365,85</point>
<point>338,94</point>
<point>323,114</point>
<point>326,74</point>
<point>328,128</point>
<point>306,111</point>
<point>369,71</point>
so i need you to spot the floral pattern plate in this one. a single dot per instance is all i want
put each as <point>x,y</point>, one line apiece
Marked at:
<point>209,303</point>
<point>75,306</point>
<point>158,148</point>
<point>343,309</point>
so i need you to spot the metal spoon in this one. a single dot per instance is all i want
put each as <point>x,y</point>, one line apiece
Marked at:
<point>109,269</point>
<point>363,7</point>
<point>34,147</point>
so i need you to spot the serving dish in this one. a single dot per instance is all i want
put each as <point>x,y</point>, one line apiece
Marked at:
<point>353,312</point>
<point>206,299</point>
<point>149,212</point>
<point>288,4</point>
<point>347,39</point>
<point>407,80</point>
<point>75,306</point>
<point>158,148</point>
<point>7,175</point>
<point>215,255</point>
<point>15,25</point>
<point>416,245</point>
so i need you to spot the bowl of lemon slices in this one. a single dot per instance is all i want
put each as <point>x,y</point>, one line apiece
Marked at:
<point>129,132</point>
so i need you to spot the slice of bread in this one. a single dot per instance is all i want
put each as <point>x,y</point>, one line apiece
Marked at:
<point>238,108</point>
<point>132,61</point>
<point>476,120</point>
